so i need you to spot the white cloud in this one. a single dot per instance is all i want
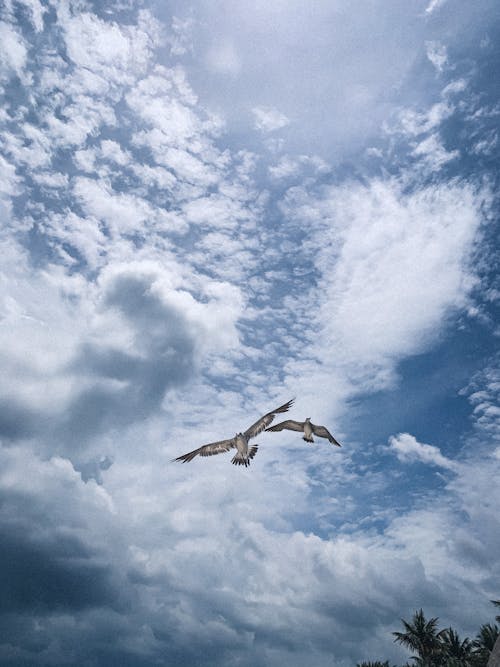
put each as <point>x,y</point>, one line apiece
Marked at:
<point>111,150</point>
<point>123,214</point>
<point>269,119</point>
<point>80,121</point>
<point>49,482</point>
<point>37,11</point>
<point>51,179</point>
<point>32,149</point>
<point>485,401</point>
<point>437,54</point>
<point>34,349</point>
<point>434,5</point>
<point>119,53</point>
<point>14,52</point>
<point>216,211</point>
<point>212,320</point>
<point>408,449</point>
<point>289,166</point>
<point>433,152</point>
<point>9,182</point>
<point>372,151</point>
<point>178,137</point>
<point>415,123</point>
<point>154,176</point>
<point>86,235</point>
<point>392,266</point>
<point>285,168</point>
<point>162,104</point>
<point>454,87</point>
<point>486,146</point>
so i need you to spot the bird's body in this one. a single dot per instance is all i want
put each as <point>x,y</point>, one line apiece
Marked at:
<point>308,431</point>
<point>307,428</point>
<point>244,452</point>
<point>239,441</point>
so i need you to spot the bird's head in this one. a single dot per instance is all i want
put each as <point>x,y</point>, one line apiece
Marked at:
<point>308,419</point>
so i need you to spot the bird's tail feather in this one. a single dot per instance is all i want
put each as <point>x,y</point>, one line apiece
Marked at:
<point>307,438</point>
<point>241,460</point>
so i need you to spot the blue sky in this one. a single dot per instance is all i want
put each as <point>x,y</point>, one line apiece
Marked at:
<point>209,208</point>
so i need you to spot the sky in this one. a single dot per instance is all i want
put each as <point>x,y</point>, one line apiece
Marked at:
<point>209,208</point>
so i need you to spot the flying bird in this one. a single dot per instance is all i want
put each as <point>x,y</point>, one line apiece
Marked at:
<point>307,428</point>
<point>239,442</point>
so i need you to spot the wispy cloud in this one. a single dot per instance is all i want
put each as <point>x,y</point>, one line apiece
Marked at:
<point>385,286</point>
<point>434,5</point>
<point>437,54</point>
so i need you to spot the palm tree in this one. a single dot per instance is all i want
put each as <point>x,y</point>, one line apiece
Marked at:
<point>484,642</point>
<point>422,637</point>
<point>455,652</point>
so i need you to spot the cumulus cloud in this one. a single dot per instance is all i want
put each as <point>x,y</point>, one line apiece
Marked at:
<point>79,382</point>
<point>14,53</point>
<point>118,52</point>
<point>123,385</point>
<point>408,449</point>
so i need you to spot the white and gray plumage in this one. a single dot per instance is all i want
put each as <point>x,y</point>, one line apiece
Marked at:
<point>239,442</point>
<point>307,428</point>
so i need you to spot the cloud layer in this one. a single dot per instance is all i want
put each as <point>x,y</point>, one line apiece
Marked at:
<point>186,243</point>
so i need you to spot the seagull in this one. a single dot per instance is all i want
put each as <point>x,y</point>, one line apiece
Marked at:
<point>307,428</point>
<point>239,442</point>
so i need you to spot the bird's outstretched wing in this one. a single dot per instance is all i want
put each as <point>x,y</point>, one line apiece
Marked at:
<point>208,450</point>
<point>264,421</point>
<point>289,424</point>
<point>323,432</point>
